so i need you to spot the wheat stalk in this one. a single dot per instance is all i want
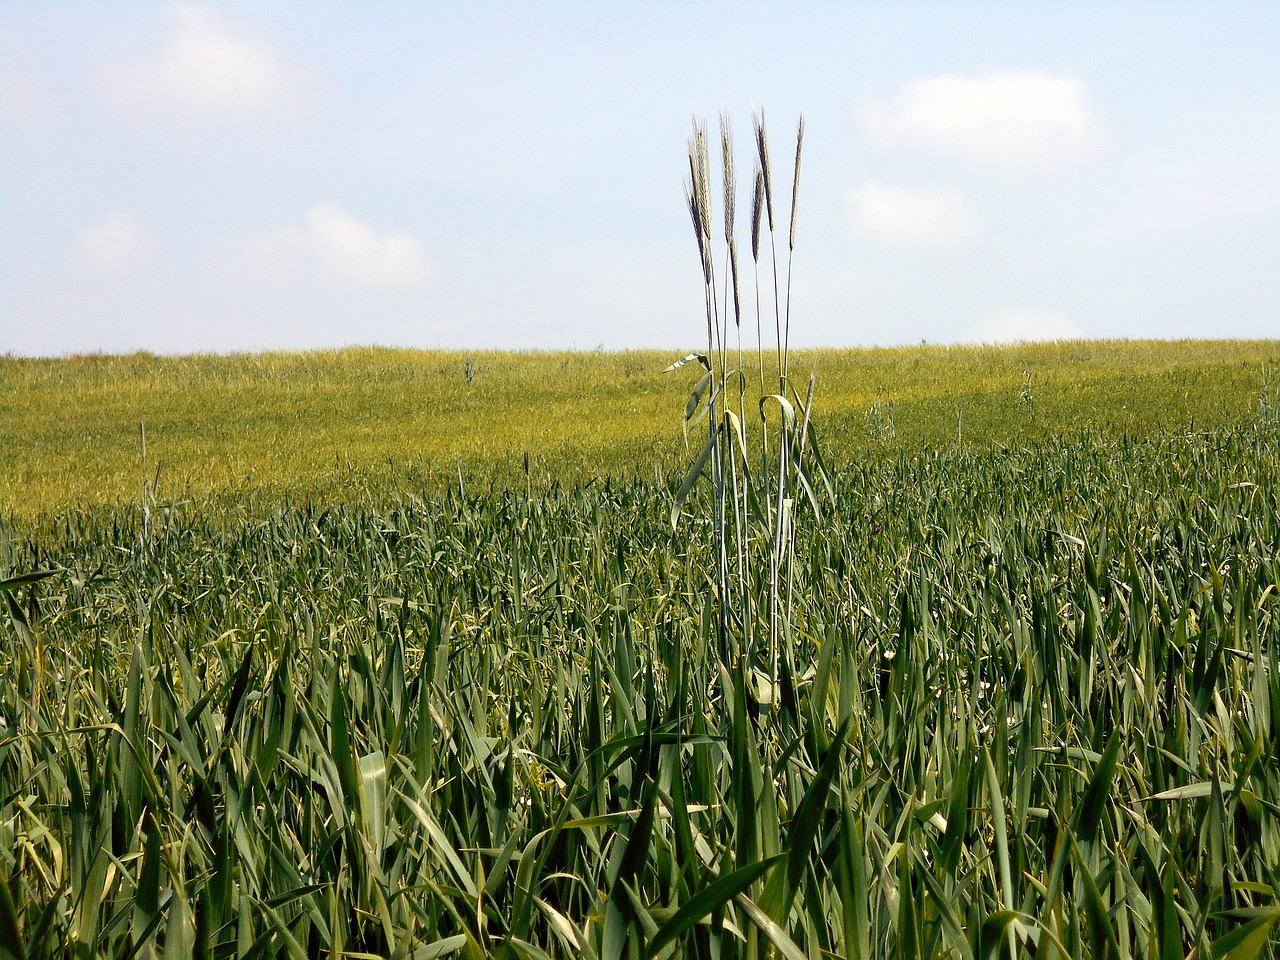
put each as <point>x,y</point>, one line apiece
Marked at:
<point>733,487</point>
<point>762,150</point>
<point>791,242</point>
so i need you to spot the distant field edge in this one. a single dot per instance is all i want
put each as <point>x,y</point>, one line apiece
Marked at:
<point>91,431</point>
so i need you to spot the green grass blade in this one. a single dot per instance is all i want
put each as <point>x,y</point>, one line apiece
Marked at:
<point>699,465</point>
<point>772,931</point>
<point>1246,941</point>
<point>1093,803</point>
<point>11,946</point>
<point>711,898</point>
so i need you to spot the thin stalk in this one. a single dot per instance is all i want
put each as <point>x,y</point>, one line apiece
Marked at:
<point>791,545</point>
<point>757,208</point>
<point>732,286</point>
<point>776,556</point>
<point>741,500</point>
<point>701,192</point>
<point>791,245</point>
<point>762,151</point>
<point>762,148</point>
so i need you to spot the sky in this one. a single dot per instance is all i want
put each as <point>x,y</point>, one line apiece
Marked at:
<point>197,177</point>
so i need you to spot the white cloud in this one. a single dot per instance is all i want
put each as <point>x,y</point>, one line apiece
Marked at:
<point>1022,325</point>
<point>336,245</point>
<point>1013,122</point>
<point>206,66</point>
<point>907,216</point>
<point>108,247</point>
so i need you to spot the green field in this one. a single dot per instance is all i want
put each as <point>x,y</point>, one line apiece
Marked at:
<point>324,426</point>
<point>310,696</point>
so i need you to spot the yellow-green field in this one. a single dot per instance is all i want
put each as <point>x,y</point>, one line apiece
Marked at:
<point>256,428</point>
<point>1001,683</point>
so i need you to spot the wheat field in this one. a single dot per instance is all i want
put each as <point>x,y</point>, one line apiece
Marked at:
<point>251,430</point>
<point>1024,700</point>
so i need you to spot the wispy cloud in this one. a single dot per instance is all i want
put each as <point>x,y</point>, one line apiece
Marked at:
<point>206,66</point>
<point>1009,122</point>
<point>913,217</point>
<point>1020,325</point>
<point>110,246</point>
<point>334,245</point>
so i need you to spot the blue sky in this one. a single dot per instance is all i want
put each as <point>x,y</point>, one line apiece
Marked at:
<point>246,176</point>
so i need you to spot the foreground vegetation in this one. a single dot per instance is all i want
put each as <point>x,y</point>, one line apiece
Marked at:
<point>999,681</point>
<point>1028,702</point>
<point>251,431</point>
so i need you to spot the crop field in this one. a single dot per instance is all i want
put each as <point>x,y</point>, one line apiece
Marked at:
<point>251,431</point>
<point>1018,693</point>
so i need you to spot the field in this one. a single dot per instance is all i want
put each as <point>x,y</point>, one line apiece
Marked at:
<point>250,431</point>
<point>350,680</point>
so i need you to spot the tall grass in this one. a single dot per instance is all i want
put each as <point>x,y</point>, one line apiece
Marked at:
<point>1035,698</point>
<point>753,500</point>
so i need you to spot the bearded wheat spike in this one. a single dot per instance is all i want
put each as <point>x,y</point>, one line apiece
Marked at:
<point>726,154</point>
<point>691,201</point>
<point>795,182</point>
<point>704,180</point>
<point>757,207</point>
<point>762,148</point>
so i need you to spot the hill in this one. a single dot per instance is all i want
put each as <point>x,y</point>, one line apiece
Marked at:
<point>254,429</point>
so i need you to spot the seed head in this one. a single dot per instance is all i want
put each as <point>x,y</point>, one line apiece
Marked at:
<point>795,182</point>
<point>757,205</point>
<point>762,148</point>
<point>726,153</point>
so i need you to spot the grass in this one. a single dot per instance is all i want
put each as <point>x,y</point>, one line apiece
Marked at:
<point>1034,702</point>
<point>253,430</point>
